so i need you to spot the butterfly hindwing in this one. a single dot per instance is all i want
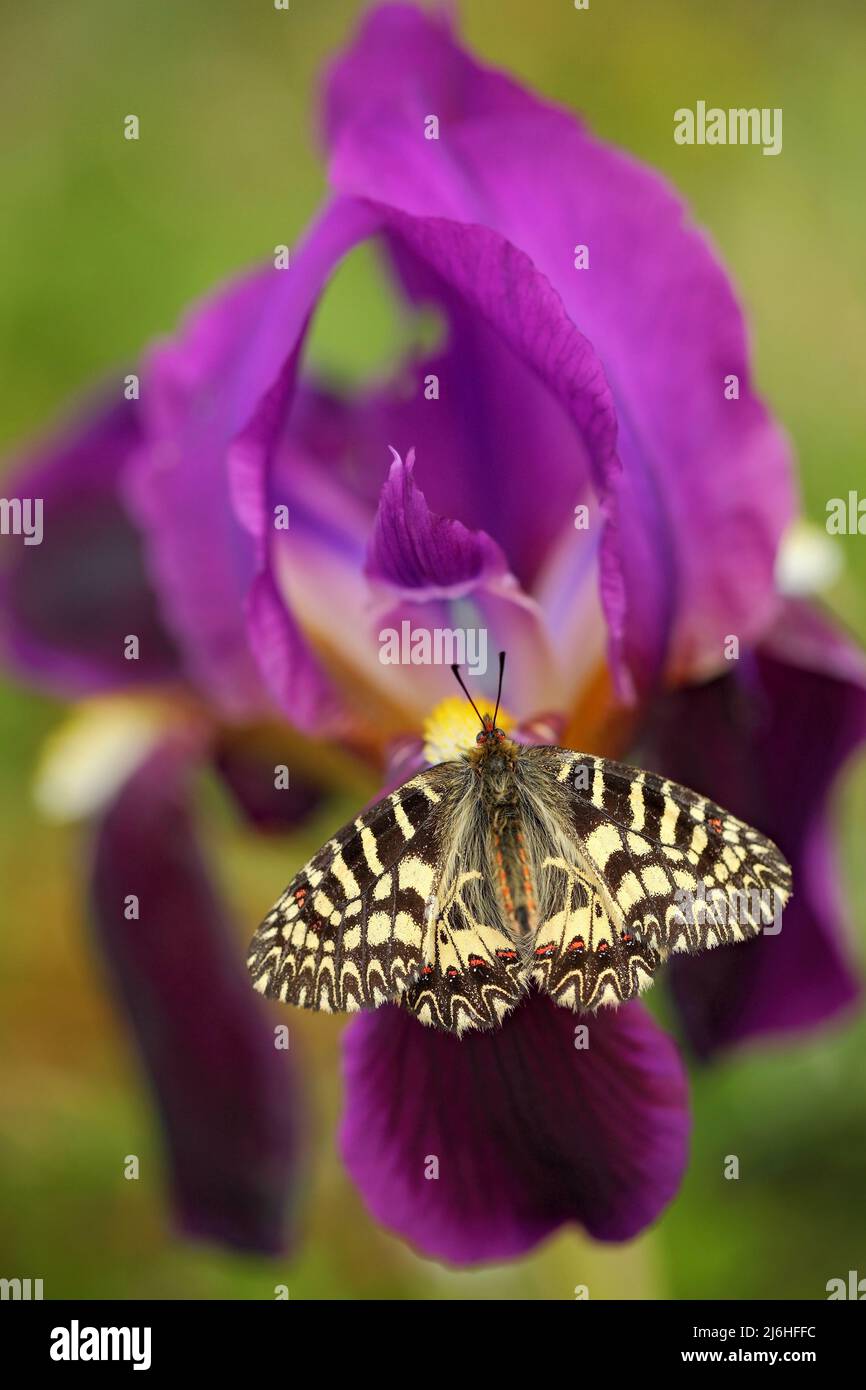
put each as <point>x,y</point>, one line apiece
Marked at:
<point>473,973</point>
<point>581,957</point>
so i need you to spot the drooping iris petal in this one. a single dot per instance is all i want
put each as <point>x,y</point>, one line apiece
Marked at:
<point>476,1149</point>
<point>224,1091</point>
<point>498,205</point>
<point>768,742</point>
<point>204,391</point>
<point>70,602</point>
<point>248,766</point>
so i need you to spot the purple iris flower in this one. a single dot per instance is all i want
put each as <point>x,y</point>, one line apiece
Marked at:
<point>576,476</point>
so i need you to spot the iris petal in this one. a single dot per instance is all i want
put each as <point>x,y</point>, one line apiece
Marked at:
<point>224,1091</point>
<point>749,741</point>
<point>70,602</point>
<point>476,1149</point>
<point>645,346</point>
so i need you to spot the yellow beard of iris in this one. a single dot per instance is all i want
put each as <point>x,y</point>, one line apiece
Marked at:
<point>452,728</point>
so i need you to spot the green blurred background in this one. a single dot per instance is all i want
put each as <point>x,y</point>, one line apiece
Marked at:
<point>102,243</point>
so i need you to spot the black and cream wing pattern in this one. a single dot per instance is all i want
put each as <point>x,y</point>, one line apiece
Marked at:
<point>535,867</point>
<point>394,907</point>
<point>643,867</point>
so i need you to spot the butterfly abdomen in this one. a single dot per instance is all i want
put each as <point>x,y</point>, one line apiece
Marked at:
<point>513,874</point>
<point>501,809</point>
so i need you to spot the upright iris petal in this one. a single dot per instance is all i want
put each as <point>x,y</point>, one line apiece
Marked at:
<point>205,524</point>
<point>497,205</point>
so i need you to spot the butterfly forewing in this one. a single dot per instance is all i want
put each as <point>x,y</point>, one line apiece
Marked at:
<point>347,932</point>
<point>674,869</point>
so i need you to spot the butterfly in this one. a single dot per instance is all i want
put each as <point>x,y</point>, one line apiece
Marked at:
<point>515,866</point>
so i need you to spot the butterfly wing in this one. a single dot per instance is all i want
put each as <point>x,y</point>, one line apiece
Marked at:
<point>394,907</point>
<point>669,867</point>
<point>473,972</point>
<point>582,955</point>
<point>347,933</point>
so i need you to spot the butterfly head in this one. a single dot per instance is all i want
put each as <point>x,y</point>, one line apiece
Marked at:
<point>493,748</point>
<point>491,738</point>
<point>490,734</point>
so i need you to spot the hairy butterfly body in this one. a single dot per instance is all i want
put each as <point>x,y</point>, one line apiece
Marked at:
<point>509,867</point>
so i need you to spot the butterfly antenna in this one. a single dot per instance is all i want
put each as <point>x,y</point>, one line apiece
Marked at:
<point>499,691</point>
<point>459,679</point>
